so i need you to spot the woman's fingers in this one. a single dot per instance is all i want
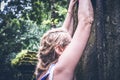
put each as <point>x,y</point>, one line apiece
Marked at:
<point>71,5</point>
<point>72,2</point>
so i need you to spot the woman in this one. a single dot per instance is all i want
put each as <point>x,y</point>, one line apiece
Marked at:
<point>59,53</point>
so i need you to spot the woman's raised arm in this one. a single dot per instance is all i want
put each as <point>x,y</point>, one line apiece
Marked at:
<point>68,22</point>
<point>70,57</point>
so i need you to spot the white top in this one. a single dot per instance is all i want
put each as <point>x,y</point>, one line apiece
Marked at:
<point>49,73</point>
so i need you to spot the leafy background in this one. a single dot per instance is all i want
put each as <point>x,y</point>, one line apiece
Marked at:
<point>22,23</point>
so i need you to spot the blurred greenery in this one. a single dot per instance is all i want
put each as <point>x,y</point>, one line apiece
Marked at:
<point>22,23</point>
<point>24,57</point>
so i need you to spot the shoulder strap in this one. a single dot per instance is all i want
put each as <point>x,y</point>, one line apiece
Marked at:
<point>49,73</point>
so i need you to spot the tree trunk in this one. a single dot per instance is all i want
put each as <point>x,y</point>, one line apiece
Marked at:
<point>101,59</point>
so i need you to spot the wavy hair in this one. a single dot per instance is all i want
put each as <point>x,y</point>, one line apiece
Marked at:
<point>46,53</point>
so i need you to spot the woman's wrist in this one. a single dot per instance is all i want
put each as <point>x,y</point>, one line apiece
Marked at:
<point>70,8</point>
<point>70,12</point>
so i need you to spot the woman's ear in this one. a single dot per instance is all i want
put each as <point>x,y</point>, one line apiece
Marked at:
<point>59,50</point>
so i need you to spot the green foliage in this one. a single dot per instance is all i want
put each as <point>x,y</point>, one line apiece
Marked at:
<point>19,34</point>
<point>20,19</point>
<point>37,11</point>
<point>24,65</point>
<point>19,57</point>
<point>61,10</point>
<point>24,57</point>
<point>22,23</point>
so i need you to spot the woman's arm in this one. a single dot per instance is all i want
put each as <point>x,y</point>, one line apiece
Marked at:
<point>71,55</point>
<point>68,22</point>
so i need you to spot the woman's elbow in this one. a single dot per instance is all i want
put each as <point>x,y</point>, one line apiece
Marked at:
<point>85,18</point>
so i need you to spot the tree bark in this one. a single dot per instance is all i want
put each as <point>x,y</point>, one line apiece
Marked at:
<point>101,58</point>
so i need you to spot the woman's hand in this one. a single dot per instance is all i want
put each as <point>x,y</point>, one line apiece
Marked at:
<point>71,6</point>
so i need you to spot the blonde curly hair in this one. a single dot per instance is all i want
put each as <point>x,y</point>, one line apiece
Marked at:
<point>47,54</point>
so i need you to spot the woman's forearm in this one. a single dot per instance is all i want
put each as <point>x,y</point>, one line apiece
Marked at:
<point>85,11</point>
<point>68,22</point>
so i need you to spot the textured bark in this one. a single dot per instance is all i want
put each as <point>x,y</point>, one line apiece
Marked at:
<point>101,59</point>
